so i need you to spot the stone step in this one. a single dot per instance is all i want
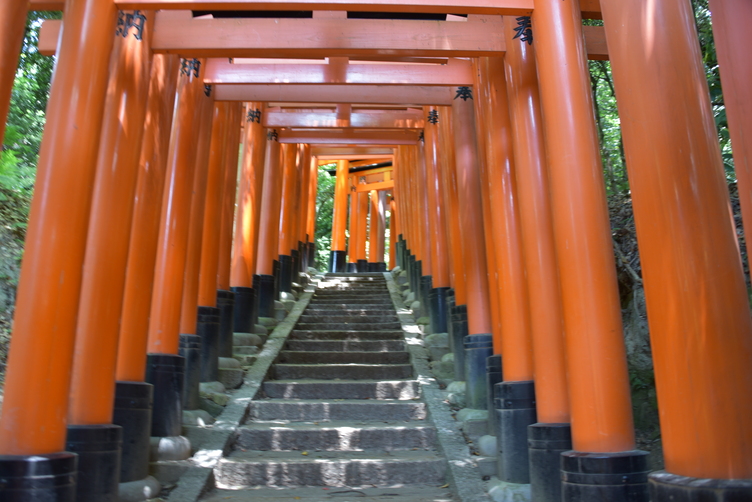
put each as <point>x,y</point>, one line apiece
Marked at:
<point>354,291</point>
<point>342,389</point>
<point>354,276</point>
<point>369,300</point>
<point>346,345</point>
<point>347,371</point>
<point>350,357</point>
<point>344,306</point>
<point>336,436</point>
<point>344,334</point>
<point>349,318</point>
<point>352,469</point>
<point>343,310</point>
<point>317,410</point>
<point>410,493</point>
<point>340,326</point>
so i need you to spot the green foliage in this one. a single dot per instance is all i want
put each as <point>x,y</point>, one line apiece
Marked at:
<point>324,213</point>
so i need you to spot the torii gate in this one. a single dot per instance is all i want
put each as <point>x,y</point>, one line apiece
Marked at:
<point>472,215</point>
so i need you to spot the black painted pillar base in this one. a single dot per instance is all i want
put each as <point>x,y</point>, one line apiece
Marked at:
<point>478,348</point>
<point>190,351</point>
<point>165,373</point>
<point>132,412</point>
<point>264,287</point>
<point>207,328</point>
<point>311,253</point>
<point>98,448</point>
<point>285,273</point>
<point>275,274</point>
<point>373,266</point>
<point>546,443</point>
<point>616,477</point>
<point>411,272</point>
<point>459,332</point>
<point>380,266</point>
<point>226,305</point>
<point>398,254</point>
<point>514,404</point>
<point>362,266</point>
<point>295,269</point>
<point>337,261</point>
<point>426,285</point>
<point>437,307</point>
<point>39,478</point>
<point>303,254</point>
<point>352,268</point>
<point>493,376</point>
<point>242,315</point>
<point>665,487</point>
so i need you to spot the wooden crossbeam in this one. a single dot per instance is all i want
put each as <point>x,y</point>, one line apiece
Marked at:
<point>349,137</point>
<point>381,185</point>
<point>362,94</point>
<point>327,37</point>
<point>351,152</point>
<point>457,73</point>
<point>411,119</point>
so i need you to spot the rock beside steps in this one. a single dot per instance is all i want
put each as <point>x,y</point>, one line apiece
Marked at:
<point>341,415</point>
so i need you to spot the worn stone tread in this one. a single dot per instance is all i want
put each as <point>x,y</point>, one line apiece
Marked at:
<point>349,371</point>
<point>343,357</point>
<point>342,389</point>
<point>412,493</point>
<point>346,345</point>
<point>300,410</point>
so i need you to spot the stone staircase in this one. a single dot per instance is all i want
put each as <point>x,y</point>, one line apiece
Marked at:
<point>342,416</point>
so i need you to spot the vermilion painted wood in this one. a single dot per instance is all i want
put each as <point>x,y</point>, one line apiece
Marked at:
<point>271,200</point>
<point>700,325</point>
<point>134,320</point>
<point>228,197</point>
<point>207,289</point>
<point>470,210</point>
<point>339,216</point>
<point>290,199</point>
<point>365,94</point>
<point>378,186</point>
<point>92,392</point>
<point>207,122</point>
<point>551,395</point>
<point>13,21</point>
<point>38,375</point>
<point>596,358</point>
<point>393,233</point>
<point>305,193</point>
<point>421,181</point>
<point>350,152</point>
<point>172,244</point>
<point>436,207</point>
<point>310,225</point>
<point>349,136</point>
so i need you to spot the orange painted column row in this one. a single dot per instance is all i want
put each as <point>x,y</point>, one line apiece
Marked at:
<point>596,358</point>
<point>37,386</point>
<point>92,392</point>
<point>310,224</point>
<point>353,225</point>
<point>393,232</point>
<point>436,208</point>
<point>700,325</point>
<point>13,21</point>
<point>302,216</point>
<point>271,201</point>
<point>248,209</point>
<point>230,183</point>
<point>290,199</point>
<point>362,237</point>
<point>552,395</point>
<point>172,247</point>
<point>339,218</point>
<point>732,39</point>
<point>134,321</point>
<point>470,211</point>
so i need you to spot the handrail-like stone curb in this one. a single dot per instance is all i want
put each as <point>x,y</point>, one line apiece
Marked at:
<point>463,475</point>
<point>199,478</point>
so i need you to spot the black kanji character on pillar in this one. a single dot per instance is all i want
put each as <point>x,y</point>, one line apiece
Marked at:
<point>524,30</point>
<point>190,65</point>
<point>126,21</point>
<point>272,135</point>
<point>207,90</point>
<point>433,117</point>
<point>253,116</point>
<point>465,93</point>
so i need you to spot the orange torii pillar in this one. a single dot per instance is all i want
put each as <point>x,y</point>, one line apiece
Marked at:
<point>732,37</point>
<point>310,225</point>
<point>362,235</point>
<point>377,229</point>
<point>91,431</point>
<point>457,297</point>
<point>13,21</point>
<point>165,367</point>
<point>514,397</point>
<point>551,435</point>
<point>301,260</point>
<point>478,344</point>
<point>338,253</point>
<point>439,249</point>
<point>425,268</point>
<point>700,325</point>
<point>131,391</point>
<point>604,463</point>
<point>225,297</point>
<point>268,236</point>
<point>353,226</point>
<point>393,230</point>
<point>247,220</point>
<point>288,240</point>
<point>33,424</point>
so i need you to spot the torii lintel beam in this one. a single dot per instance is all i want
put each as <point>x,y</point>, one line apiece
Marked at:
<point>327,37</point>
<point>357,120</point>
<point>351,152</point>
<point>349,137</point>
<point>361,94</point>
<point>381,185</point>
<point>589,8</point>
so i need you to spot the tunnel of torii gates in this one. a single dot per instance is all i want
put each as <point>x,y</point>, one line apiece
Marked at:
<point>482,122</point>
